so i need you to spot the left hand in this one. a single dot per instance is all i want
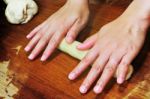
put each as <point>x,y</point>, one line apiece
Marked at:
<point>67,22</point>
<point>113,47</point>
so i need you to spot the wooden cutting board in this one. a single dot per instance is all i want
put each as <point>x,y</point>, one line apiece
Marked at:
<point>48,80</point>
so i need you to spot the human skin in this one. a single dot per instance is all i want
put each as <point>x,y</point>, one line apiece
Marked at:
<point>113,47</point>
<point>68,21</point>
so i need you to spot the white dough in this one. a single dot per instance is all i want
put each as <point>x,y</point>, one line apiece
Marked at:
<point>72,50</point>
<point>20,11</point>
<point>7,1</point>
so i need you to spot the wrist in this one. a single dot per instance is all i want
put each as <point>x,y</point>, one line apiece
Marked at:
<point>82,5</point>
<point>138,12</point>
<point>144,8</point>
<point>139,9</point>
<point>79,1</point>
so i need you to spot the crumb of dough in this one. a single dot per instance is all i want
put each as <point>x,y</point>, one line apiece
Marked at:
<point>18,48</point>
<point>141,89</point>
<point>7,88</point>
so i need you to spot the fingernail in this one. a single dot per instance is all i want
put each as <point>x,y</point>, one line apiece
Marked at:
<point>27,48</point>
<point>97,89</point>
<point>120,80</point>
<point>28,36</point>
<point>71,76</point>
<point>31,57</point>
<point>83,89</point>
<point>43,58</point>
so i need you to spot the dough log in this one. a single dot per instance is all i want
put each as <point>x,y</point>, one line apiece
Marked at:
<point>78,54</point>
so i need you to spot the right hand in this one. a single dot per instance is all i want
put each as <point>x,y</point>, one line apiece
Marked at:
<point>67,21</point>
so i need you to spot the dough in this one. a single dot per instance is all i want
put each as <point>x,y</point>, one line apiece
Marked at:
<point>78,54</point>
<point>130,71</point>
<point>20,11</point>
<point>6,1</point>
<point>7,88</point>
<point>72,50</point>
<point>18,48</point>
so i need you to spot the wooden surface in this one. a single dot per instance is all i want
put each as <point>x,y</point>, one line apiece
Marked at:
<point>48,80</point>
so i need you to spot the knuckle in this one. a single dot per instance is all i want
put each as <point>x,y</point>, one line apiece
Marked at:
<point>82,23</point>
<point>100,83</point>
<point>34,52</point>
<point>86,59</point>
<point>86,82</point>
<point>113,61</point>
<point>46,38</point>
<point>43,40</point>
<point>110,69</point>
<point>115,45</point>
<point>124,63</point>
<point>104,28</point>
<point>74,17</point>
<point>97,68</point>
<point>72,34</point>
<point>77,71</point>
<point>30,44</point>
<point>53,41</point>
<point>46,53</point>
<point>132,48</point>
<point>39,34</point>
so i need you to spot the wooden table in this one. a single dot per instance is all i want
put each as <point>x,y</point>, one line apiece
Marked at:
<point>48,80</point>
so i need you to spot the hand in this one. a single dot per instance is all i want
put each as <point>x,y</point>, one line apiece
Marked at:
<point>113,47</point>
<point>67,21</point>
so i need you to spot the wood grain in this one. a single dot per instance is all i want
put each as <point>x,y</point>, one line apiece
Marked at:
<point>48,80</point>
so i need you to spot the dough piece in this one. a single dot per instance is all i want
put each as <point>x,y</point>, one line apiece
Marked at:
<point>20,11</point>
<point>7,1</point>
<point>18,48</point>
<point>130,71</point>
<point>78,54</point>
<point>7,88</point>
<point>72,50</point>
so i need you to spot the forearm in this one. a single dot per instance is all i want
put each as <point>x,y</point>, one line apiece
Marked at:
<point>144,7</point>
<point>138,14</point>
<point>85,2</point>
<point>140,9</point>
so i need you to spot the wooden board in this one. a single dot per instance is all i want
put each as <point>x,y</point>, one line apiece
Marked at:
<point>48,80</point>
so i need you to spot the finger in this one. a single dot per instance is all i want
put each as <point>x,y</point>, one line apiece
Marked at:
<point>88,43</point>
<point>34,31</point>
<point>122,73</point>
<point>124,65</point>
<point>40,46</point>
<point>94,72</point>
<point>85,62</point>
<point>74,31</point>
<point>53,43</point>
<point>108,72</point>
<point>33,42</point>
